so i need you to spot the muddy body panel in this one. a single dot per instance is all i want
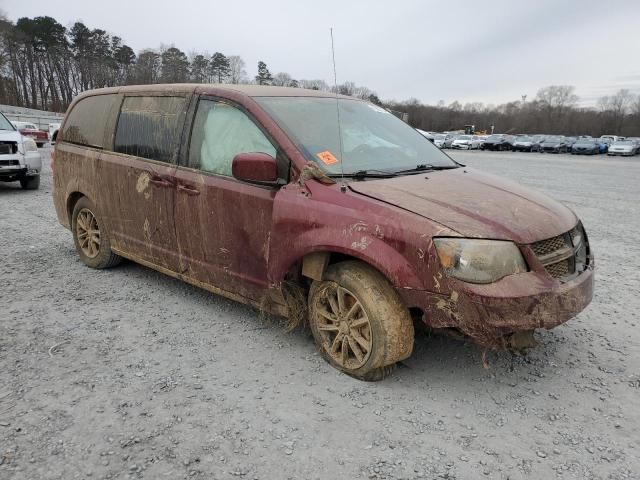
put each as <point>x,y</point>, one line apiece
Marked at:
<point>246,240</point>
<point>223,231</point>
<point>487,313</point>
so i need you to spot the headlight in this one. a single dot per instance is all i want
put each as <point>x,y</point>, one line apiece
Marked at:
<point>479,261</point>
<point>29,145</point>
<point>578,239</point>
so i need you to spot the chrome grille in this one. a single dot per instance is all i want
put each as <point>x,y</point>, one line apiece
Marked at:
<point>557,255</point>
<point>544,247</point>
<point>559,270</point>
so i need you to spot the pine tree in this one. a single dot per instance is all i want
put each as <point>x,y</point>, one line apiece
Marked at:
<point>264,76</point>
<point>199,69</point>
<point>219,68</point>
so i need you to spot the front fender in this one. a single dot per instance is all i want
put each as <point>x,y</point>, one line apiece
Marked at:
<point>360,242</point>
<point>325,218</point>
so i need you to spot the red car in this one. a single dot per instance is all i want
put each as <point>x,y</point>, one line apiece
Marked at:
<point>30,130</point>
<point>326,210</point>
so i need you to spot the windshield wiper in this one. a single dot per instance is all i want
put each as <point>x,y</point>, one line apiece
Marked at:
<point>365,174</point>
<point>427,166</point>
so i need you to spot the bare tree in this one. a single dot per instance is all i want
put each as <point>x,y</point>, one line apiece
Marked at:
<point>281,79</point>
<point>615,109</point>
<point>237,72</point>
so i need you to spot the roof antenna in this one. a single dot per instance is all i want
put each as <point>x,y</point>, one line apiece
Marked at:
<point>343,187</point>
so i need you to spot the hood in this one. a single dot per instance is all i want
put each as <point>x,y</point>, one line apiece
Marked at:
<point>524,142</point>
<point>474,204</point>
<point>10,136</point>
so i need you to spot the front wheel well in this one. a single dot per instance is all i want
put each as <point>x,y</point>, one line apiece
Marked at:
<point>314,264</point>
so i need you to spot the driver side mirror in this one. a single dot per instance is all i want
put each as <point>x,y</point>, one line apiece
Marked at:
<point>255,167</point>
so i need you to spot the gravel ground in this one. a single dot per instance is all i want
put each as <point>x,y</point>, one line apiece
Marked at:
<point>127,373</point>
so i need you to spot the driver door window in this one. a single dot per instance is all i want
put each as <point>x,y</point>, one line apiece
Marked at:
<point>220,132</point>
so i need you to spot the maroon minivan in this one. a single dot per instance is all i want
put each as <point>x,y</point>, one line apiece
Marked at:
<point>326,210</point>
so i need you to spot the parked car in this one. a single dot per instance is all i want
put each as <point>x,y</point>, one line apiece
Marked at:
<point>348,234</point>
<point>482,139</point>
<point>439,139</point>
<point>625,148</point>
<point>525,144</point>
<point>554,144</point>
<point>497,142</point>
<point>466,142</point>
<point>450,139</point>
<point>31,130</point>
<point>585,146</point>
<point>603,144</point>
<point>19,157</point>
<point>569,141</point>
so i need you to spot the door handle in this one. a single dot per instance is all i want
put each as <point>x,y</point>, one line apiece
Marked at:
<point>188,190</point>
<point>161,182</point>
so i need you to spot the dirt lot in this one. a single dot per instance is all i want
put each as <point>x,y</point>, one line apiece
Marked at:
<point>126,373</point>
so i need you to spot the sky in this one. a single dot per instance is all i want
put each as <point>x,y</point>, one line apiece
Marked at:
<point>492,51</point>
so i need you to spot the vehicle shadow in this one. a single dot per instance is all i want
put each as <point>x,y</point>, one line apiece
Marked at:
<point>10,188</point>
<point>439,358</point>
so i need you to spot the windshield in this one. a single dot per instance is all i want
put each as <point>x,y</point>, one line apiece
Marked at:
<point>495,137</point>
<point>372,138</point>
<point>464,137</point>
<point>440,137</point>
<point>554,139</point>
<point>5,124</point>
<point>524,139</point>
<point>586,141</point>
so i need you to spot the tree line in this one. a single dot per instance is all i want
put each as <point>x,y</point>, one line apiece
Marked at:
<point>554,110</point>
<point>44,64</point>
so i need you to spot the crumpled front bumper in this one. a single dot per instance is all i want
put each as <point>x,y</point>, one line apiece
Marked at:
<point>515,303</point>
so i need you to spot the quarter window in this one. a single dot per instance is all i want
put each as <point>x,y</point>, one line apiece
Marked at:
<point>85,124</point>
<point>220,132</point>
<point>150,127</point>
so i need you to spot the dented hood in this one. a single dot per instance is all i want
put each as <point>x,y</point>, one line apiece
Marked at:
<point>474,204</point>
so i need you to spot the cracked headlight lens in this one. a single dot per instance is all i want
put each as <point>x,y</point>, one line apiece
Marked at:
<point>479,261</point>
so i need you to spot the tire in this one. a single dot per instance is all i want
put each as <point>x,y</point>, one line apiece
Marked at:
<point>30,183</point>
<point>353,302</point>
<point>93,254</point>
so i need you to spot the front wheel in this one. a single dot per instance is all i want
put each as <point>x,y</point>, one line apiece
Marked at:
<point>359,322</point>
<point>91,237</point>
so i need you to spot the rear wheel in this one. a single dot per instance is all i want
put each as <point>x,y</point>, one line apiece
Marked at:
<point>30,183</point>
<point>91,237</point>
<point>359,322</point>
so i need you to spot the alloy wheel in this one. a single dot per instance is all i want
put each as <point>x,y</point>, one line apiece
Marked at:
<point>344,327</point>
<point>88,233</point>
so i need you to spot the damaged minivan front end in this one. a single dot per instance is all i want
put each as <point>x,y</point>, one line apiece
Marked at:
<point>510,260</point>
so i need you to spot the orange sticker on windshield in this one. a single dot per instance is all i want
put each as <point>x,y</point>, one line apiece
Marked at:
<point>327,157</point>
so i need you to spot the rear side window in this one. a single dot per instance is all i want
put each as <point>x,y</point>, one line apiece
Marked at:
<point>150,127</point>
<point>85,124</point>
